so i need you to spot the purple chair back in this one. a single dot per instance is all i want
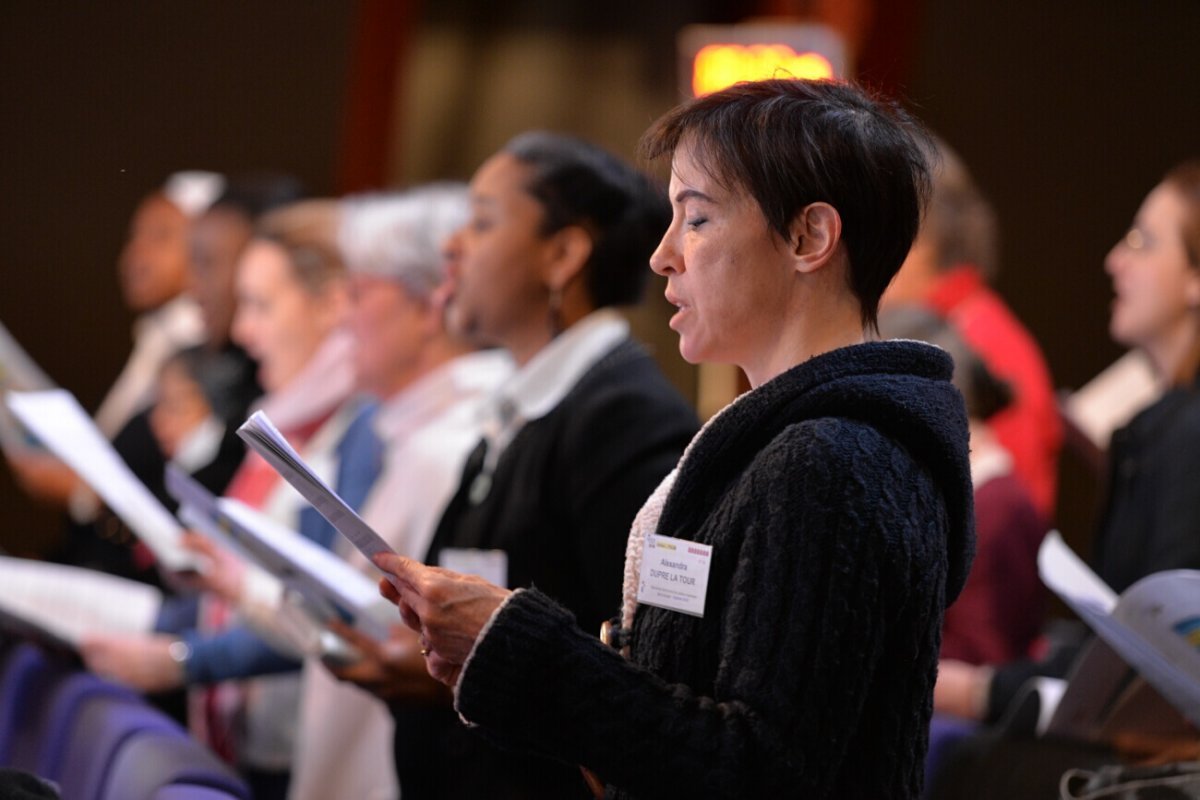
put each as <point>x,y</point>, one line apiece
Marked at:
<point>148,763</point>
<point>98,740</point>
<point>104,724</point>
<point>63,706</point>
<point>945,731</point>
<point>187,791</point>
<point>27,675</point>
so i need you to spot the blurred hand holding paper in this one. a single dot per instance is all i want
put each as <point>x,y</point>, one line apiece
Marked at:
<point>332,588</point>
<point>62,425</point>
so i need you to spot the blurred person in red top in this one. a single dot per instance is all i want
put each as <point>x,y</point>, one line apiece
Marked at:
<point>948,270</point>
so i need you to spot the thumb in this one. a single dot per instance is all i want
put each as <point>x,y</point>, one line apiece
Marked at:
<point>407,570</point>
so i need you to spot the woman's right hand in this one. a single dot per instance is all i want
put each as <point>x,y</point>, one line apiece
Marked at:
<point>447,609</point>
<point>392,670</point>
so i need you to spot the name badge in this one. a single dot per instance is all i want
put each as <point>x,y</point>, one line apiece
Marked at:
<point>674,574</point>
<point>491,565</point>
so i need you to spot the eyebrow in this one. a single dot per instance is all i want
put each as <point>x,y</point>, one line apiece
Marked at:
<point>688,194</point>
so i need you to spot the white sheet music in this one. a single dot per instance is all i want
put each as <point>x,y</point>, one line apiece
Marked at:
<point>263,437</point>
<point>18,373</point>
<point>57,419</point>
<point>68,602</point>
<point>322,577</point>
<point>330,585</point>
<point>1151,631</point>
<point>1070,578</point>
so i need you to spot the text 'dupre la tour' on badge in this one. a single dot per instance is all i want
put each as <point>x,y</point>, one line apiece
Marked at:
<point>674,574</point>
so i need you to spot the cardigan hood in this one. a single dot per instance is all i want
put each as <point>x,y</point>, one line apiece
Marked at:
<point>900,388</point>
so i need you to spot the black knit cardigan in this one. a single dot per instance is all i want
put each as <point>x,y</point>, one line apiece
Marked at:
<point>837,499</point>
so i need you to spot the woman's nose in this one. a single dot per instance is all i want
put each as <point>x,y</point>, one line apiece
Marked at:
<point>1115,258</point>
<point>664,260</point>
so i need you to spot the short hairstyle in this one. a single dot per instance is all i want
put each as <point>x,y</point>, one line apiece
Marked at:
<point>401,235</point>
<point>623,211</point>
<point>791,143</point>
<point>307,232</point>
<point>1185,179</point>
<point>959,221</point>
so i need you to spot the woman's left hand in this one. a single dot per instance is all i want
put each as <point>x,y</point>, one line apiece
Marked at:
<point>446,608</point>
<point>43,477</point>
<point>392,670</point>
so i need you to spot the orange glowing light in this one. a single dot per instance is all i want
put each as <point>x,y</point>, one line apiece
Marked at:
<point>719,65</point>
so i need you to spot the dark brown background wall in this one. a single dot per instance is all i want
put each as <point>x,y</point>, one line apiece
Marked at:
<point>1068,112</point>
<point>100,102</point>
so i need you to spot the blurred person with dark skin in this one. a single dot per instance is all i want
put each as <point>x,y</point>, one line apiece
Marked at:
<point>216,240</point>
<point>152,270</point>
<point>947,270</point>
<point>1151,518</point>
<point>219,236</point>
<point>153,275</point>
<point>833,499</point>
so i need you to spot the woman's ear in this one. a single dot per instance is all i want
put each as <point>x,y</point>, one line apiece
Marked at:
<point>333,303</point>
<point>816,233</point>
<point>570,249</point>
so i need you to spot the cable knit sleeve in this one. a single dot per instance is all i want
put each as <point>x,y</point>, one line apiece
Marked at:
<point>816,651</point>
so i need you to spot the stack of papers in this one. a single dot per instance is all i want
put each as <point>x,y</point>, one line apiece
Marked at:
<point>61,604</point>
<point>1142,673</point>
<point>64,428</point>
<point>331,587</point>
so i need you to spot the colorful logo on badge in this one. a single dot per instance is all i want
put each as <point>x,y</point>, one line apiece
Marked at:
<point>1189,629</point>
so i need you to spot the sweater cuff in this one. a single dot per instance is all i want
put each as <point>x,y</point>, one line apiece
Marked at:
<point>516,648</point>
<point>483,632</point>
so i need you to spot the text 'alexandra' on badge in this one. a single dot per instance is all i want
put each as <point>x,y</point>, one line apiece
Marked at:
<point>674,574</point>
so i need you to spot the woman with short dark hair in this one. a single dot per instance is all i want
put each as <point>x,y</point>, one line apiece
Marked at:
<point>784,586</point>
